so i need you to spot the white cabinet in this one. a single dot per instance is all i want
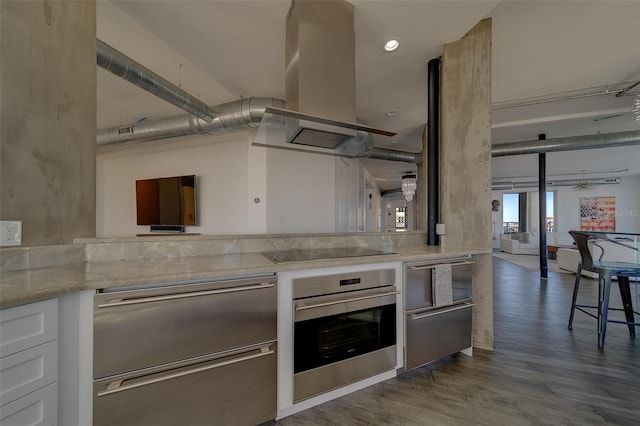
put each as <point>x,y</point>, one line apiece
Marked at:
<point>29,364</point>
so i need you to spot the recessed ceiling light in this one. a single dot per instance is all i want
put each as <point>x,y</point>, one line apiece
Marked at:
<point>394,141</point>
<point>391,45</point>
<point>391,113</point>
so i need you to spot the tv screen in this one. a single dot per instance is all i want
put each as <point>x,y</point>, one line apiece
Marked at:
<point>166,201</point>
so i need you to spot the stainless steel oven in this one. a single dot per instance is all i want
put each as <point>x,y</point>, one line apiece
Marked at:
<point>344,329</point>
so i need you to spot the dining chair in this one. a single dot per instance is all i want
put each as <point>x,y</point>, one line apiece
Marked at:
<point>606,270</point>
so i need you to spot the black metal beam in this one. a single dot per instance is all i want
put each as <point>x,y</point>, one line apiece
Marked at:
<point>433,142</point>
<point>542,197</point>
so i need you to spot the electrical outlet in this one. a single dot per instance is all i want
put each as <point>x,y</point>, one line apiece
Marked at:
<point>10,233</point>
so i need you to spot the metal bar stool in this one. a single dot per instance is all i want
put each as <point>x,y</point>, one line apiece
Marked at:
<point>606,270</point>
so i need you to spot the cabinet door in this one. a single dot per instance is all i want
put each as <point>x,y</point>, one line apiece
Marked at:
<point>28,370</point>
<point>26,326</point>
<point>37,408</point>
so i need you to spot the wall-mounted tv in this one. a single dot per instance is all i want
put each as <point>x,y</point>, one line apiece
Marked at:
<point>167,201</point>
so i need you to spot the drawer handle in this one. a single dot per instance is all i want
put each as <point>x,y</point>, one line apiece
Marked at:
<point>117,386</point>
<point>416,317</point>
<point>125,302</point>
<point>431,266</point>
<point>338,302</point>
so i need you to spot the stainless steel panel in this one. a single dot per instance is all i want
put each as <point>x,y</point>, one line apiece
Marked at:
<point>461,281</point>
<point>432,334</point>
<point>327,284</point>
<point>140,328</point>
<point>237,389</point>
<point>418,288</point>
<point>323,306</point>
<point>324,379</point>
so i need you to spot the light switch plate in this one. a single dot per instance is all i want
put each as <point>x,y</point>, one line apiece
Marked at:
<point>10,233</point>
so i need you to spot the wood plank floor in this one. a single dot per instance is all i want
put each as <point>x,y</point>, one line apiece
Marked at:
<point>540,373</point>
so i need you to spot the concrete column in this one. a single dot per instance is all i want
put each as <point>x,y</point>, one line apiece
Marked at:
<point>465,167</point>
<point>48,119</point>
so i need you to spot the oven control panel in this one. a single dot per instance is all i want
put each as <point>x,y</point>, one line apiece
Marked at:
<point>338,283</point>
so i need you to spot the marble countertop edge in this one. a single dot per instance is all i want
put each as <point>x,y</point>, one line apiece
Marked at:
<point>31,285</point>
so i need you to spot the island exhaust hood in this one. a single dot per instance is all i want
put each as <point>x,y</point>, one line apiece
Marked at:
<point>320,86</point>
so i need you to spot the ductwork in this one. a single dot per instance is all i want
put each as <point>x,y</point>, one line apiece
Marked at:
<point>604,140</point>
<point>117,63</point>
<point>509,185</point>
<point>392,155</point>
<point>232,116</point>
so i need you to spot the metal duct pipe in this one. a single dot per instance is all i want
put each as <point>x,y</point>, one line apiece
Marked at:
<point>231,116</point>
<point>508,185</point>
<point>117,63</point>
<point>604,140</point>
<point>392,155</point>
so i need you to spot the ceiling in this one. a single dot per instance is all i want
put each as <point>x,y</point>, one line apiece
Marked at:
<point>568,57</point>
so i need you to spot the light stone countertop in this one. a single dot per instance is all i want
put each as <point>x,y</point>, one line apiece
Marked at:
<point>31,285</point>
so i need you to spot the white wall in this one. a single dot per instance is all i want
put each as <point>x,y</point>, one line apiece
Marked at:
<point>567,206</point>
<point>300,192</point>
<point>627,195</point>
<point>222,173</point>
<point>241,188</point>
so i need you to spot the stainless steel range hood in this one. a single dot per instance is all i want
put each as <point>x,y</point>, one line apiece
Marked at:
<point>320,94</point>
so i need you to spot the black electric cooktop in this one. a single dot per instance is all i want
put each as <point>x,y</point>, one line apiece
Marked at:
<point>288,256</point>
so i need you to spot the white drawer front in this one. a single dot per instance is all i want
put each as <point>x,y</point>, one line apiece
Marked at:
<point>37,408</point>
<point>26,326</point>
<point>27,371</point>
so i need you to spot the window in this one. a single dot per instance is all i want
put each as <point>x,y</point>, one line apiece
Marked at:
<point>522,208</point>
<point>401,217</point>
<point>510,215</point>
<point>551,219</point>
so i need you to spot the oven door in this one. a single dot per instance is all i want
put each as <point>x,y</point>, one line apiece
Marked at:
<point>340,339</point>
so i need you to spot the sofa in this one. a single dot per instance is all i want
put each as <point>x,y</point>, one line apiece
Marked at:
<point>529,243</point>
<point>568,258</point>
<point>519,243</point>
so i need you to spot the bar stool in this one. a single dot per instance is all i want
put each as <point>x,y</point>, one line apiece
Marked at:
<point>606,270</point>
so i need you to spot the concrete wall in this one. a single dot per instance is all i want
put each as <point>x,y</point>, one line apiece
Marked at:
<point>48,116</point>
<point>465,150</point>
<point>465,163</point>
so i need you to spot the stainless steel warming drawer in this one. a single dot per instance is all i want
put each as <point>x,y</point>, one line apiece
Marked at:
<point>227,389</point>
<point>137,328</point>
<point>438,309</point>
<point>186,353</point>
<point>436,333</point>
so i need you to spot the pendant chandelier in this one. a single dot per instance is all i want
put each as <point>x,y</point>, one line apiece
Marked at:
<point>409,186</point>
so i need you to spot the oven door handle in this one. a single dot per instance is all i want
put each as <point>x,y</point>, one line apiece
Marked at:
<point>303,307</point>
<point>135,301</point>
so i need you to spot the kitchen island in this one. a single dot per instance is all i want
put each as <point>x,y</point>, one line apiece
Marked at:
<point>37,273</point>
<point>73,274</point>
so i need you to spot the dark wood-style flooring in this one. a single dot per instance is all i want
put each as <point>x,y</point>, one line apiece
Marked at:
<point>539,373</point>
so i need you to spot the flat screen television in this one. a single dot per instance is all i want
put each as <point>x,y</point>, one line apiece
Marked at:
<point>167,201</point>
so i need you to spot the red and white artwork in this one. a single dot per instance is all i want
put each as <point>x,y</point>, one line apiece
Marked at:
<point>598,213</point>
